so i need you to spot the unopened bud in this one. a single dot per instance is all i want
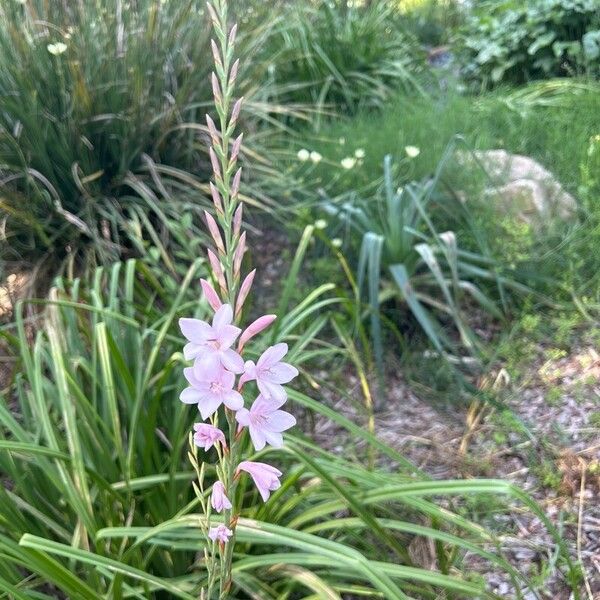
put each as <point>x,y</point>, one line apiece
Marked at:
<point>214,162</point>
<point>217,270</point>
<point>235,112</point>
<point>238,255</point>
<point>244,289</point>
<point>234,72</point>
<point>216,90</point>
<point>211,296</point>
<point>254,329</point>
<point>216,197</point>
<point>212,129</point>
<point>214,232</point>
<point>237,220</point>
<point>232,34</point>
<point>235,184</point>
<point>235,148</point>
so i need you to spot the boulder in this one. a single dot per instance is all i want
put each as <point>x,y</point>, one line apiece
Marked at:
<point>521,186</point>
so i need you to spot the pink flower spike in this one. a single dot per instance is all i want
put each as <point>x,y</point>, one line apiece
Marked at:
<point>211,296</point>
<point>218,499</point>
<point>265,477</point>
<point>206,436</point>
<point>210,386</point>
<point>211,344</point>
<point>270,373</point>
<point>244,290</point>
<point>255,328</point>
<point>220,533</point>
<point>265,422</point>
<point>214,232</point>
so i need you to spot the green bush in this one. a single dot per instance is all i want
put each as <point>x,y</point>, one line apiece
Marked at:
<point>508,41</point>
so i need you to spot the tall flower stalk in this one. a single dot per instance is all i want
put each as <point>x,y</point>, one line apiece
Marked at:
<point>233,396</point>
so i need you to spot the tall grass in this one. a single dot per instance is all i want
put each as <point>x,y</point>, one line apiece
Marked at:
<point>92,444</point>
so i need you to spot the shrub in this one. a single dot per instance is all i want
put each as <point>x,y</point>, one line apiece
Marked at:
<point>520,41</point>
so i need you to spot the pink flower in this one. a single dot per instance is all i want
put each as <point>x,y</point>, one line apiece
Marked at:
<point>207,436</point>
<point>211,344</point>
<point>270,373</point>
<point>209,388</point>
<point>266,477</point>
<point>218,498</point>
<point>220,533</point>
<point>265,422</point>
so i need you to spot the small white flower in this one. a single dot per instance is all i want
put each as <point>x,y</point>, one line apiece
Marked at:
<point>315,157</point>
<point>342,141</point>
<point>412,151</point>
<point>399,191</point>
<point>303,155</point>
<point>320,223</point>
<point>348,163</point>
<point>56,49</point>
<point>359,153</point>
<point>336,243</point>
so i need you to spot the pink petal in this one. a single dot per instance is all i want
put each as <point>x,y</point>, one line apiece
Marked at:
<point>265,406</point>
<point>233,400</point>
<point>222,317</point>
<point>272,391</point>
<point>208,406</point>
<point>242,416</point>
<point>244,289</point>
<point>279,420</point>
<point>195,330</point>
<point>228,335</point>
<point>191,351</point>
<point>258,438</point>
<point>208,367</point>
<point>272,355</point>
<point>190,396</point>
<point>281,373</point>
<point>232,361</point>
<point>273,438</point>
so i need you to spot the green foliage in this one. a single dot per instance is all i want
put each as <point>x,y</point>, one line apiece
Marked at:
<point>336,57</point>
<point>514,41</point>
<point>99,502</point>
<point>405,260</point>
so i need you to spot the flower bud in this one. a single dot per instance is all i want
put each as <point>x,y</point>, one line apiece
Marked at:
<point>216,198</point>
<point>244,289</point>
<point>216,90</point>
<point>235,111</point>
<point>239,255</point>
<point>217,270</point>
<point>235,148</point>
<point>235,184</point>
<point>214,232</point>
<point>212,129</point>
<point>211,296</point>
<point>214,162</point>
<point>237,220</point>
<point>254,329</point>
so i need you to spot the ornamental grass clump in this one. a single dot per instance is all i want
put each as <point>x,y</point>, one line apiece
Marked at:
<point>220,382</point>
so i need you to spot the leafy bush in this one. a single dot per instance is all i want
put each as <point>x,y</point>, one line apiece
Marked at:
<point>327,55</point>
<point>97,498</point>
<point>520,41</point>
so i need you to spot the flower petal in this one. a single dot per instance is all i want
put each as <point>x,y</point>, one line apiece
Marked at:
<point>273,438</point>
<point>222,317</point>
<point>233,400</point>
<point>272,355</point>
<point>208,405</point>
<point>272,391</point>
<point>242,416</point>
<point>282,373</point>
<point>279,420</point>
<point>232,361</point>
<point>227,335</point>
<point>190,396</point>
<point>195,330</point>
<point>258,438</point>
